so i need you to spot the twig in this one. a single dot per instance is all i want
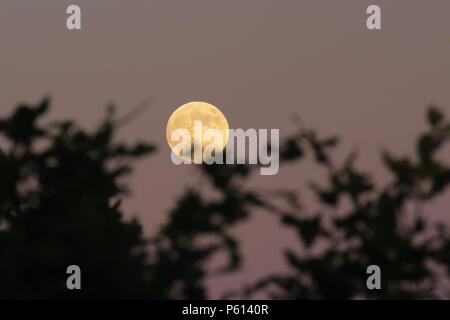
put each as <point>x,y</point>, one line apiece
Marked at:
<point>133,113</point>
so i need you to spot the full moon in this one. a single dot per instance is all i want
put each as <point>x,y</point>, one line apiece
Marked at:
<point>210,116</point>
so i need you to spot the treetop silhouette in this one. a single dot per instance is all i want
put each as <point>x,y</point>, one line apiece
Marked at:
<point>61,189</point>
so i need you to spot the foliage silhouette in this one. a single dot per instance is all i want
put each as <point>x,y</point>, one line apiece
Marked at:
<point>58,185</point>
<point>60,192</point>
<point>360,224</point>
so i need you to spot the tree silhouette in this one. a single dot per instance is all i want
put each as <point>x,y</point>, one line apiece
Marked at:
<point>360,224</point>
<point>57,208</point>
<point>60,193</point>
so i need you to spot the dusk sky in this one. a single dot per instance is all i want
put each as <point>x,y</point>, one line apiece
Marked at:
<point>259,61</point>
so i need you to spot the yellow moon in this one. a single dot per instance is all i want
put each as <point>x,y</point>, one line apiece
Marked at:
<point>210,116</point>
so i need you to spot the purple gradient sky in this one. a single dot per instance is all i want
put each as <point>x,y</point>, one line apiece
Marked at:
<point>258,60</point>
